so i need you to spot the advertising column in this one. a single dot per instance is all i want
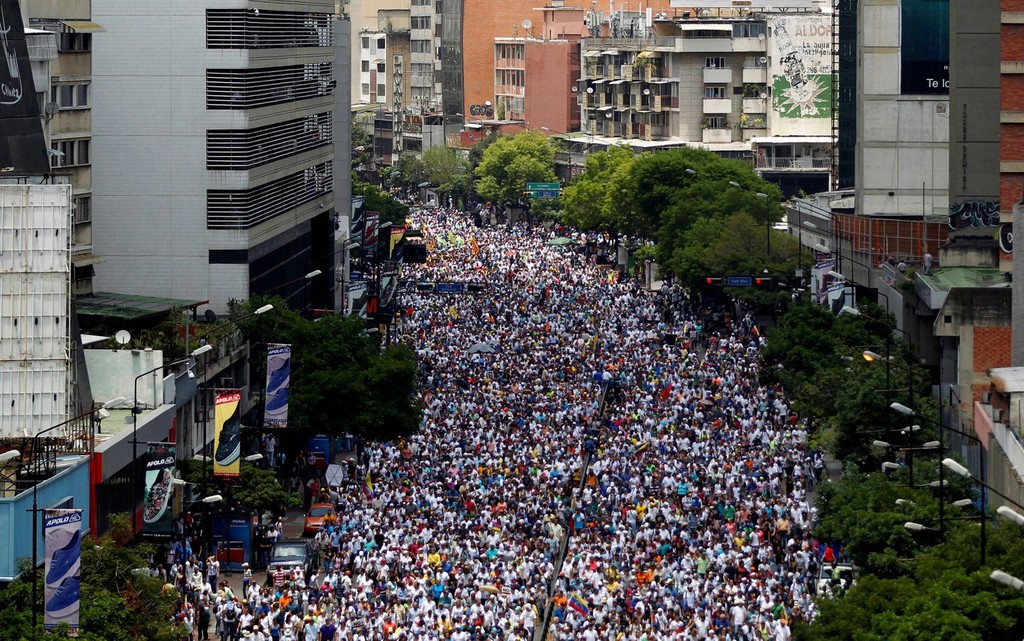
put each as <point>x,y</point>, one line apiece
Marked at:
<point>62,531</point>
<point>279,371</point>
<point>157,511</point>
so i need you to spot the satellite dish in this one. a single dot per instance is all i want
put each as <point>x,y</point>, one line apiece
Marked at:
<point>762,60</point>
<point>527,23</point>
<point>647,92</point>
<point>590,90</point>
<point>122,337</point>
<point>210,316</point>
<point>574,89</point>
<point>51,109</point>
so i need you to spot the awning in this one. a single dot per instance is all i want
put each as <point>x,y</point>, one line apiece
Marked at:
<point>661,82</point>
<point>617,82</point>
<point>623,109</point>
<point>704,26</point>
<point>790,140</point>
<point>606,108</point>
<point>130,306</point>
<point>610,52</point>
<point>648,54</point>
<point>83,26</point>
<point>592,54</point>
<point>600,81</point>
<point>84,260</point>
<point>378,61</point>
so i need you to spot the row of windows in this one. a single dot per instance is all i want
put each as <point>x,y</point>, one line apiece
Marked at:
<point>74,42</point>
<point>71,96</point>
<point>421,22</point>
<point>364,89</point>
<point>235,149</point>
<point>245,29</point>
<point>246,208</point>
<point>374,45</point>
<point>251,88</point>
<point>69,153</point>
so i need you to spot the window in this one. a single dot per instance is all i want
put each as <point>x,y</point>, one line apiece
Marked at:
<point>715,122</point>
<point>382,44</point>
<point>714,63</point>
<point>366,65</point>
<point>714,92</point>
<point>366,42</point>
<point>70,96</point>
<point>382,67</point>
<point>69,153</point>
<point>75,42</point>
<point>365,89</point>
<point>421,22</point>
<point>748,30</point>
<point>420,46</point>
<point>82,208</point>
<point>381,90</point>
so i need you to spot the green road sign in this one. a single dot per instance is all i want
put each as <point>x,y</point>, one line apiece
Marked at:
<point>543,186</point>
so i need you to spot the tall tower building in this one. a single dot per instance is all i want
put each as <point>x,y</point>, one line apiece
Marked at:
<point>213,149</point>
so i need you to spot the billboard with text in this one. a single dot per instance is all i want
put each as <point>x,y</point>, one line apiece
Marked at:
<point>800,75</point>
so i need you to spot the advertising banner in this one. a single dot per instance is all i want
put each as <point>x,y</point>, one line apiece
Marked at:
<point>227,439</point>
<point>801,75</point>
<point>62,533</point>
<point>395,252</point>
<point>279,373</point>
<point>370,235</point>
<point>924,47</point>
<point>22,146</point>
<point>820,279</point>
<point>357,221</point>
<point>355,296</point>
<point>157,508</point>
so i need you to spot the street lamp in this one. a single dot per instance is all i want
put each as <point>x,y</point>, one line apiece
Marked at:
<point>917,527</point>
<point>199,351</point>
<point>35,498</point>
<point>252,458</point>
<point>1012,515</point>
<point>1007,579</point>
<point>8,455</point>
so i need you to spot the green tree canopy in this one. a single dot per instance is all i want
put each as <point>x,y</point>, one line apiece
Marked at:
<point>510,162</point>
<point>341,380</point>
<point>447,170</point>
<point>376,199</point>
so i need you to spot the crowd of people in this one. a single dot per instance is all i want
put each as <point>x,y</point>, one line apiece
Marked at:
<point>595,459</point>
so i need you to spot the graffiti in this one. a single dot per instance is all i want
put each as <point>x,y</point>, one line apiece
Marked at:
<point>481,110</point>
<point>973,213</point>
<point>1006,238</point>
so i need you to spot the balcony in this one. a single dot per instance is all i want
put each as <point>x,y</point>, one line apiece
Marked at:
<point>716,135</point>
<point>755,105</point>
<point>717,76</point>
<point>717,106</point>
<point>794,162</point>
<point>755,75</point>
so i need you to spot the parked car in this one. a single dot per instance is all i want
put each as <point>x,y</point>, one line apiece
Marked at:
<point>315,518</point>
<point>293,555</point>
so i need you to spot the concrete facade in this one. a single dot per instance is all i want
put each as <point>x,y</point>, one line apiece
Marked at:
<point>212,176</point>
<point>902,159</point>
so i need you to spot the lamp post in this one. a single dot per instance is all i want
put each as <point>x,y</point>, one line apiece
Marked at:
<point>199,351</point>
<point>206,378</point>
<point>35,499</point>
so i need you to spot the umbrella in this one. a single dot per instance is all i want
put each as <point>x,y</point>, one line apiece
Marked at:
<point>482,348</point>
<point>562,240</point>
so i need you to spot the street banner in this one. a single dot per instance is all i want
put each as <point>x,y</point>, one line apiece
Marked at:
<point>370,235</point>
<point>62,533</point>
<point>279,371</point>
<point>355,295</point>
<point>357,221</point>
<point>820,280</point>
<point>389,279</point>
<point>157,508</point>
<point>395,250</point>
<point>227,439</point>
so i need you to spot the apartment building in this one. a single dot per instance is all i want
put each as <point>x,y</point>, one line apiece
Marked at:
<point>213,149</point>
<point>67,114</point>
<point>425,63</point>
<point>756,86</point>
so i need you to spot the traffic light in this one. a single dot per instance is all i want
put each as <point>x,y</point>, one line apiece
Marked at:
<point>712,282</point>
<point>763,281</point>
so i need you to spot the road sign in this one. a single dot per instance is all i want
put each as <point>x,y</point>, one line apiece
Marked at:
<point>543,186</point>
<point>739,281</point>
<point>548,193</point>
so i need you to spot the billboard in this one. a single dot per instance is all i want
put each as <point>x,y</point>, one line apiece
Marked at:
<point>279,373</point>
<point>800,75</point>
<point>22,146</point>
<point>924,47</point>
<point>62,533</point>
<point>227,435</point>
<point>157,506</point>
<point>370,235</point>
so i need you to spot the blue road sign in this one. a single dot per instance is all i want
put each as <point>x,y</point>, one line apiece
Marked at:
<point>739,281</point>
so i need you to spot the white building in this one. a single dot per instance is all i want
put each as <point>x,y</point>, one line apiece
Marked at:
<point>213,148</point>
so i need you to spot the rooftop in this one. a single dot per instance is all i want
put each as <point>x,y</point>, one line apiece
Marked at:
<point>130,306</point>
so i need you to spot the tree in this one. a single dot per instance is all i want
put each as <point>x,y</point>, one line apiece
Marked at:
<point>512,161</point>
<point>256,489</point>
<point>120,601</point>
<point>409,172</point>
<point>341,380</point>
<point>591,200</point>
<point>378,200</point>
<point>447,170</point>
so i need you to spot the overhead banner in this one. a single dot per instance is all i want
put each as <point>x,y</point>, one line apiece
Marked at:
<point>279,373</point>
<point>370,235</point>
<point>157,507</point>
<point>22,146</point>
<point>924,47</point>
<point>62,533</point>
<point>227,439</point>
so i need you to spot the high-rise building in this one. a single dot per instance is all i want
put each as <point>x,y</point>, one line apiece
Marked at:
<point>213,149</point>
